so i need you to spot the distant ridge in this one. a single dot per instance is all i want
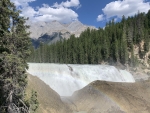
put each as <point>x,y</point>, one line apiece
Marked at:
<point>55,30</point>
<point>38,29</point>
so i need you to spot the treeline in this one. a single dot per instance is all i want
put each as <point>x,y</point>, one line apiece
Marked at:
<point>115,43</point>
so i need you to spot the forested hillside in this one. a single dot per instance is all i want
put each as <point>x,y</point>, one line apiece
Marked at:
<point>126,42</point>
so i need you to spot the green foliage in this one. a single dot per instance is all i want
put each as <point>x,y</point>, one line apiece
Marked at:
<point>32,102</point>
<point>14,50</point>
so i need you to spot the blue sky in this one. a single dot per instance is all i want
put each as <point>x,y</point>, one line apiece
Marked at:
<point>90,12</point>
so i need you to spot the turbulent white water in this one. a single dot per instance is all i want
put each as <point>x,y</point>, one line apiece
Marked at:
<point>65,79</point>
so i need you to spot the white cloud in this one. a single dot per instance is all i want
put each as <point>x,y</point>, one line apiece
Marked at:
<point>61,14</point>
<point>71,3</point>
<point>22,2</point>
<point>48,13</point>
<point>125,7</point>
<point>29,12</point>
<point>100,17</point>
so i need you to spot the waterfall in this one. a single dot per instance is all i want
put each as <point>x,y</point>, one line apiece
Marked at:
<point>65,79</point>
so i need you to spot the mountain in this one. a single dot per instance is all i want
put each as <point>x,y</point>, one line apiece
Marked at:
<point>126,42</point>
<point>51,32</point>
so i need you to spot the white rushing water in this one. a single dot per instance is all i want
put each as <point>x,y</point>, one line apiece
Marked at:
<point>65,79</point>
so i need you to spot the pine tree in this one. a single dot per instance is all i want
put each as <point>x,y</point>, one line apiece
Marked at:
<point>33,102</point>
<point>14,50</point>
<point>146,42</point>
<point>124,53</point>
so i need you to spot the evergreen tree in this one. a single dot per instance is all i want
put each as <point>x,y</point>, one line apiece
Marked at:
<point>146,41</point>
<point>14,50</point>
<point>33,102</point>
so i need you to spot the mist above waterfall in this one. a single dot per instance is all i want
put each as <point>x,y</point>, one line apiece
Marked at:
<point>65,79</point>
